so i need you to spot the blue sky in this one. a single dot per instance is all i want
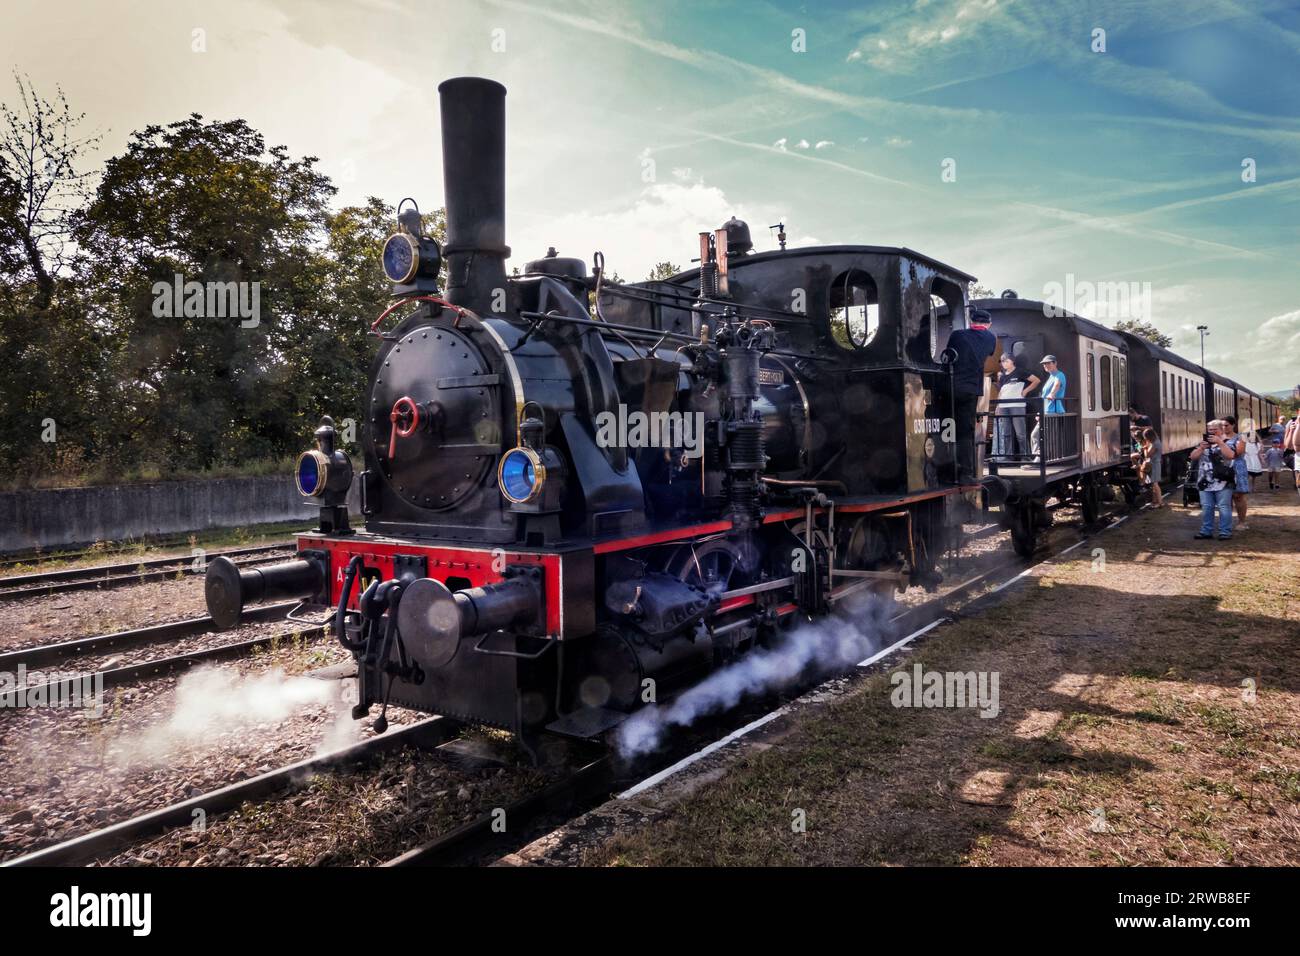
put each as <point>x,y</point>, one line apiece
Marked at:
<point>634,125</point>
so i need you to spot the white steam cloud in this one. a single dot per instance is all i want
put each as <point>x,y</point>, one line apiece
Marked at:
<point>813,650</point>
<point>211,702</point>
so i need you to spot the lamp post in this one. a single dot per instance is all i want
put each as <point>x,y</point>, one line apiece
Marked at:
<point>1204,330</point>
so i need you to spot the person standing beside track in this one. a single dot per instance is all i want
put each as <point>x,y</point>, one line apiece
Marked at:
<point>1274,461</point>
<point>1152,462</point>
<point>1291,442</point>
<point>970,348</point>
<point>1241,486</point>
<point>1255,458</point>
<point>1215,477</point>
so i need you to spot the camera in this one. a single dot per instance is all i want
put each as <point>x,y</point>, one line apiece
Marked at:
<point>1202,484</point>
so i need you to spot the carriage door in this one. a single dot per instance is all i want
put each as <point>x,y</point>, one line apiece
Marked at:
<point>1102,406</point>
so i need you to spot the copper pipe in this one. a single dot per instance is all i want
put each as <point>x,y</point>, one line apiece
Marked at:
<point>816,483</point>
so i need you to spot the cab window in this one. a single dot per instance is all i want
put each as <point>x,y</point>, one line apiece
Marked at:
<point>855,309</point>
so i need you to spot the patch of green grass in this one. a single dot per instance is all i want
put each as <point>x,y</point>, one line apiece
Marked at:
<point>1143,674</point>
<point>1286,779</point>
<point>1234,749</point>
<point>1215,842</point>
<point>1220,720</point>
<point>1214,787</point>
<point>1072,721</point>
<point>998,749</point>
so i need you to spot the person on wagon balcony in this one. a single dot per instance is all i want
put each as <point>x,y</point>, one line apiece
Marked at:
<point>1009,418</point>
<point>1053,392</point>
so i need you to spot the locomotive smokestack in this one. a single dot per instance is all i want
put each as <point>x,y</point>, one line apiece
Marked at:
<point>474,178</point>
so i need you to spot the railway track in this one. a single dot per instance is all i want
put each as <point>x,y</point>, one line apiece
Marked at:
<point>44,655</point>
<point>64,685</point>
<point>590,783</point>
<point>98,843</point>
<point>41,584</point>
<point>14,559</point>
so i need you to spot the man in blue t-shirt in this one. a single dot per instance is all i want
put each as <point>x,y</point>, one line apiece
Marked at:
<point>970,348</point>
<point>1053,386</point>
<point>1053,391</point>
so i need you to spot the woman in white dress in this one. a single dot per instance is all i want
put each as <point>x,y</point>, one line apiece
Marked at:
<point>1254,464</point>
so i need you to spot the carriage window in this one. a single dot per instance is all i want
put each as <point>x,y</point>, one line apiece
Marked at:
<point>1164,388</point>
<point>1105,383</point>
<point>1092,385</point>
<point>855,310</point>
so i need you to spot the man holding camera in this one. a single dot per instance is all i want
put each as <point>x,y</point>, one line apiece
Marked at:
<point>1216,478</point>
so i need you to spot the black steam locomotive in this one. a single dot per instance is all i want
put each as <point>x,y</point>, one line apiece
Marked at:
<point>569,510</point>
<point>580,494</point>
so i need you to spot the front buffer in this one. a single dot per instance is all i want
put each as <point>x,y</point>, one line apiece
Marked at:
<point>474,634</point>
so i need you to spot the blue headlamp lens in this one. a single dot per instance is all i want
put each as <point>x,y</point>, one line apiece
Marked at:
<point>309,474</point>
<point>518,476</point>
<point>400,258</point>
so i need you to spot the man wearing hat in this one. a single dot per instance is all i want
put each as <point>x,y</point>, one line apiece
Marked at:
<point>1054,394</point>
<point>970,349</point>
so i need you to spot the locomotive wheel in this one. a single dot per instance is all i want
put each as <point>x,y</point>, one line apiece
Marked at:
<point>717,565</point>
<point>1020,520</point>
<point>1090,499</point>
<point>864,546</point>
<point>819,536</point>
<point>1130,493</point>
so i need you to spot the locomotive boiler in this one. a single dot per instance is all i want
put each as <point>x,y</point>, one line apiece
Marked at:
<point>580,495</point>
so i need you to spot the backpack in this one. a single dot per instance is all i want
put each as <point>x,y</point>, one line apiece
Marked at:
<point>1221,468</point>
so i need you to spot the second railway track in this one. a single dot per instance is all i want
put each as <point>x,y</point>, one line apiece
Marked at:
<point>100,577</point>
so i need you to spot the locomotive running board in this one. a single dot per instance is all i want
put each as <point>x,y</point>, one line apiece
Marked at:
<point>588,723</point>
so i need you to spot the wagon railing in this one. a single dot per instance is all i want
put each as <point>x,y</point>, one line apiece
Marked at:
<point>1024,434</point>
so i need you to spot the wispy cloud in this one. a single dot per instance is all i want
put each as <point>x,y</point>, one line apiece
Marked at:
<point>715,62</point>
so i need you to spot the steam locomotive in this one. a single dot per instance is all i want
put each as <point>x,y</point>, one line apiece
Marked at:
<point>571,511</point>
<point>580,495</point>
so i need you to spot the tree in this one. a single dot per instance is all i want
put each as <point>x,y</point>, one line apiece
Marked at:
<point>662,271</point>
<point>40,186</point>
<point>49,350</point>
<point>331,350</point>
<point>209,202</point>
<point>1144,330</point>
